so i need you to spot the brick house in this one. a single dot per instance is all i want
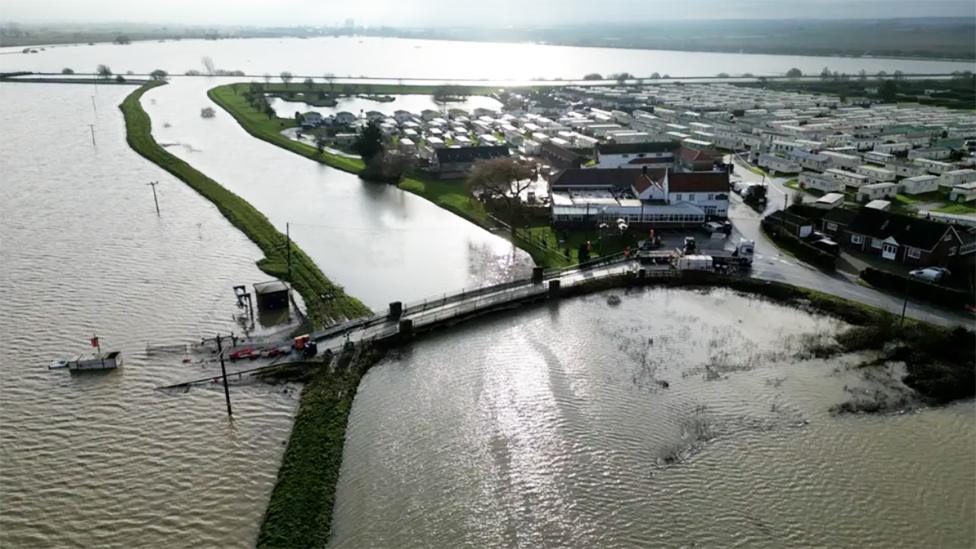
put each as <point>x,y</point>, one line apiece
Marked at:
<point>899,238</point>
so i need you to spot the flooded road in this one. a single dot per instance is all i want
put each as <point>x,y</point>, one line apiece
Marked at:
<point>677,418</point>
<point>382,244</point>
<point>105,460</point>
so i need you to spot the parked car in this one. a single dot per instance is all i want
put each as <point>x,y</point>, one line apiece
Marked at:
<point>931,274</point>
<point>241,354</point>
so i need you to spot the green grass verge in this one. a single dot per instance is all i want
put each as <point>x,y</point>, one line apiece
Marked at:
<point>326,302</point>
<point>451,195</point>
<point>958,208</point>
<point>299,513</point>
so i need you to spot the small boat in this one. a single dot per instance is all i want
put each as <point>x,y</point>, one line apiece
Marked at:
<point>57,364</point>
<point>95,361</point>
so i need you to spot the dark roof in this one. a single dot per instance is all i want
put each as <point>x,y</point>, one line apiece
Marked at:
<point>841,216</point>
<point>698,182</point>
<point>640,161</point>
<point>635,148</point>
<point>564,155</point>
<point>620,178</point>
<point>470,154</point>
<point>270,287</point>
<point>910,231</point>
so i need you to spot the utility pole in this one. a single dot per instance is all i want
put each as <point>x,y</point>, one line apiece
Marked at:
<point>94,110</point>
<point>153,185</point>
<point>223,371</point>
<point>92,128</point>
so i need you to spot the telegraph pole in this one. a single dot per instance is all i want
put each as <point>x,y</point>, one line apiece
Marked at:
<point>223,371</point>
<point>92,128</point>
<point>94,110</point>
<point>153,185</point>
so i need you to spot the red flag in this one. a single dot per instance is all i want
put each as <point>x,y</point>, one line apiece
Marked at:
<point>94,341</point>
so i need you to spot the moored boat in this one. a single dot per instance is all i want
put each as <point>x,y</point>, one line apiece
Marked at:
<point>95,361</point>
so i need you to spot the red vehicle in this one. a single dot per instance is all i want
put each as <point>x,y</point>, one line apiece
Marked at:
<point>241,354</point>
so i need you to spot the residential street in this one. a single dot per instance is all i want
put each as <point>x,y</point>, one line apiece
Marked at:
<point>772,264</point>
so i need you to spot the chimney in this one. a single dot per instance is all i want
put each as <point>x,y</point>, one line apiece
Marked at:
<point>644,170</point>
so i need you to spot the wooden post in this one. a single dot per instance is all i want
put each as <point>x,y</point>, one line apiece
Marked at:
<point>153,185</point>
<point>223,371</point>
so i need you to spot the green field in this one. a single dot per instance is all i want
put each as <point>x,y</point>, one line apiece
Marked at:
<point>326,302</point>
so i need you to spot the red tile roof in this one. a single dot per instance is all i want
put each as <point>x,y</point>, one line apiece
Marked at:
<point>698,182</point>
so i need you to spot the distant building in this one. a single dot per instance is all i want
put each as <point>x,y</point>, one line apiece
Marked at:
<point>657,154</point>
<point>457,161</point>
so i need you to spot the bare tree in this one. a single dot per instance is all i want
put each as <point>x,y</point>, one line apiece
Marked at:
<point>330,78</point>
<point>286,77</point>
<point>267,78</point>
<point>309,83</point>
<point>208,65</point>
<point>502,179</point>
<point>103,71</point>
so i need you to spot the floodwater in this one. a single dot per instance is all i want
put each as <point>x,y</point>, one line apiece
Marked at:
<point>410,103</point>
<point>405,58</point>
<point>677,418</point>
<point>382,244</point>
<point>104,459</point>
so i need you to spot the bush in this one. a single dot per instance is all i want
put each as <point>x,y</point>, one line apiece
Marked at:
<point>799,248</point>
<point>916,288</point>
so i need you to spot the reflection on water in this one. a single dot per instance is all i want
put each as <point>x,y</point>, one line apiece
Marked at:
<point>106,460</point>
<point>402,58</point>
<point>381,243</point>
<point>411,103</point>
<point>674,419</point>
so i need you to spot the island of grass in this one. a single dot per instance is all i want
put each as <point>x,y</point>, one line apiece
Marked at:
<point>540,240</point>
<point>326,303</point>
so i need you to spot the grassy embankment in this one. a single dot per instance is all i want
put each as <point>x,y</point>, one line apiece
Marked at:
<point>299,513</point>
<point>451,195</point>
<point>325,301</point>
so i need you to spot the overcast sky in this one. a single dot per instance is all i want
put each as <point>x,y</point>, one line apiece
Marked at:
<point>461,12</point>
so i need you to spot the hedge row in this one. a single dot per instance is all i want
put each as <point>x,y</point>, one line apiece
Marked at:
<point>799,248</point>
<point>916,288</point>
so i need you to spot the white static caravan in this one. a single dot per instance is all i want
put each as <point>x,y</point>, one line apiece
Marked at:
<point>817,182</point>
<point>849,179</point>
<point>841,160</point>
<point>879,158</point>
<point>530,147</point>
<point>900,146</point>
<point>876,174</point>
<point>965,192</point>
<point>935,153</point>
<point>778,164</point>
<point>936,167</point>
<point>920,184</point>
<point>876,191</point>
<point>957,177</point>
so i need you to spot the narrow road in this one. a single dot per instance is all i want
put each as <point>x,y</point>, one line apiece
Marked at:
<point>772,264</point>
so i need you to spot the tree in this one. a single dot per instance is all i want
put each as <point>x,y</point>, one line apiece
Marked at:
<point>862,74</point>
<point>656,76</point>
<point>794,73</point>
<point>503,179</point>
<point>119,78</point>
<point>824,74</point>
<point>622,77</point>
<point>103,71</point>
<point>158,74</point>
<point>330,78</point>
<point>67,71</point>
<point>267,78</point>
<point>882,74</point>
<point>309,83</point>
<point>286,77</point>
<point>320,143</point>
<point>593,76</point>
<point>722,75</point>
<point>888,91</point>
<point>208,65</point>
<point>370,142</point>
<point>898,75</point>
<point>122,39</point>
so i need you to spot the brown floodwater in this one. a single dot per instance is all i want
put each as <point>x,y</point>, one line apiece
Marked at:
<point>675,419</point>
